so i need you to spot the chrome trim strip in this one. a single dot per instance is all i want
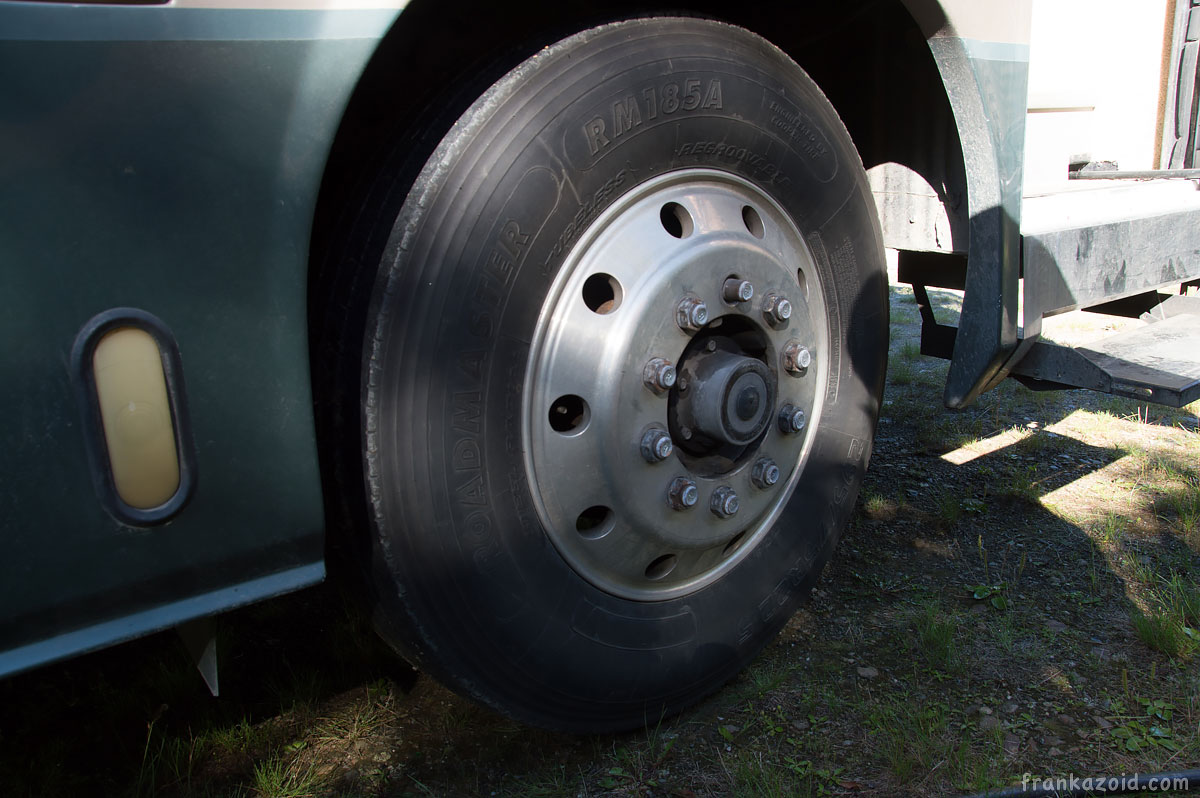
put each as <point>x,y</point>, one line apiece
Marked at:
<point>116,631</point>
<point>53,22</point>
<point>996,51</point>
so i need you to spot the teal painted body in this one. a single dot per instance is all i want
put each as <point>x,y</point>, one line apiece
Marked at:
<point>168,160</point>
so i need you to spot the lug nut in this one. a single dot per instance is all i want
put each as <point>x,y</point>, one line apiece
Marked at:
<point>796,358</point>
<point>791,419</point>
<point>724,502</point>
<point>656,445</point>
<point>683,493</point>
<point>765,473</point>
<point>691,314</point>
<point>776,310</point>
<point>659,375</point>
<point>735,290</point>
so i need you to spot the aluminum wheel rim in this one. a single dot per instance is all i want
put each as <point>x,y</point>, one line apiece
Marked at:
<point>614,314</point>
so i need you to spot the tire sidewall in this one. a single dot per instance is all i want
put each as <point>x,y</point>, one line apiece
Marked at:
<point>488,602</point>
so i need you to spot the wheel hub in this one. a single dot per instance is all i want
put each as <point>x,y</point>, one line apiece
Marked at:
<point>724,399</point>
<point>656,379</point>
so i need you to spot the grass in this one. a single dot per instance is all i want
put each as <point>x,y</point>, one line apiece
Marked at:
<point>912,738</point>
<point>1182,505</point>
<point>935,638</point>
<point>1163,632</point>
<point>949,509</point>
<point>281,777</point>
<point>1172,623</point>
<point>878,507</point>
<point>1111,529</point>
<point>902,373</point>
<point>1183,599</point>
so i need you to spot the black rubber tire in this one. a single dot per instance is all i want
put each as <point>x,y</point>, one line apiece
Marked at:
<point>468,585</point>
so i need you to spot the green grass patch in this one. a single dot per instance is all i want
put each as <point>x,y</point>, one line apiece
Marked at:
<point>1163,632</point>
<point>278,777</point>
<point>935,638</point>
<point>912,738</point>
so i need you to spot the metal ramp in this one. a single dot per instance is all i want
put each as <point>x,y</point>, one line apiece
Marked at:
<point>1157,363</point>
<point>1110,251</point>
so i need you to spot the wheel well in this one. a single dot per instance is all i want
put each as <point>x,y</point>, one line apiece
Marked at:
<point>868,56</point>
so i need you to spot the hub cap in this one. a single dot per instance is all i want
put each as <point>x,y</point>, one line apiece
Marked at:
<point>623,304</point>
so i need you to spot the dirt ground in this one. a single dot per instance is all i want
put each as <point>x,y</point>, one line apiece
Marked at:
<point>1016,596</point>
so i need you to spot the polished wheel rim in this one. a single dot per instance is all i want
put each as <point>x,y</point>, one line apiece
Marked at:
<point>675,379</point>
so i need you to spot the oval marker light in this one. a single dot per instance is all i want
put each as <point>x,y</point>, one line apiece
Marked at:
<point>132,393</point>
<point>128,379</point>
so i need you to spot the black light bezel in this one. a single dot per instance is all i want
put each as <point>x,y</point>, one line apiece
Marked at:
<point>83,376</point>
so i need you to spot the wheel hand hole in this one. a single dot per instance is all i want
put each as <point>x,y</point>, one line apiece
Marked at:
<point>754,222</point>
<point>733,544</point>
<point>676,220</point>
<point>602,293</point>
<point>568,413</point>
<point>661,567</point>
<point>803,281</point>
<point>594,522</point>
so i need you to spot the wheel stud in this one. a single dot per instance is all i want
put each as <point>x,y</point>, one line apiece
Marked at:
<point>791,419</point>
<point>796,358</point>
<point>776,310</point>
<point>691,314</point>
<point>735,290</point>
<point>765,473</point>
<point>724,502</point>
<point>683,493</point>
<point>659,375</point>
<point>656,445</point>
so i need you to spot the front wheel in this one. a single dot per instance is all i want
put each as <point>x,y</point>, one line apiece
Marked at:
<point>622,368</point>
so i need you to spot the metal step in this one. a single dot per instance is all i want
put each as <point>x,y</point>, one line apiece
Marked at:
<point>1157,363</point>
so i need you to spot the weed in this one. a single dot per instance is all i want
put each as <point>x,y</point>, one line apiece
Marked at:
<point>950,509</point>
<point>1110,529</point>
<point>277,778</point>
<point>974,506</point>
<point>768,675</point>
<point>165,760</point>
<point>1182,597</point>
<point>1005,631</point>
<point>1022,484</point>
<point>912,738</point>
<point>995,595</point>
<point>935,638</point>
<point>901,372</point>
<point>554,783</point>
<point>640,764</point>
<point>879,508</point>
<point>1184,504</point>
<point>757,775</point>
<point>237,738</point>
<point>1094,589</point>
<point>361,718</point>
<point>1164,633</point>
<point>1136,736</point>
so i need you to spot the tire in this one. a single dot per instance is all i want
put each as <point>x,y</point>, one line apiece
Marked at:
<point>525,549</point>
